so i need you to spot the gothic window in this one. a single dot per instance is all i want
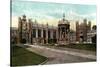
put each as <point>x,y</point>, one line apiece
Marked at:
<point>24,26</point>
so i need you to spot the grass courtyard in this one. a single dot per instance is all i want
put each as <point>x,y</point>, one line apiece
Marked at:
<point>81,46</point>
<point>22,57</point>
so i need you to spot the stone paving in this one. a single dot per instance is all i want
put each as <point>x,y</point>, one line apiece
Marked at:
<point>56,56</point>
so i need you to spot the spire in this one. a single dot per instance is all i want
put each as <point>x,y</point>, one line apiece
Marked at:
<point>47,24</point>
<point>35,21</point>
<point>63,16</point>
<point>24,16</point>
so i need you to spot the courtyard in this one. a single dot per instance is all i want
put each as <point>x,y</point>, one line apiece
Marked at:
<point>22,57</point>
<point>62,55</point>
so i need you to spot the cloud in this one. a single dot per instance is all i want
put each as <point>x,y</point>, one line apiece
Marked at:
<point>51,12</point>
<point>72,15</point>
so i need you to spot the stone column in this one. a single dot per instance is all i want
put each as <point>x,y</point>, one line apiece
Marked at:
<point>36,35</point>
<point>41,33</point>
<point>51,35</point>
<point>47,36</point>
<point>42,36</point>
<point>60,34</point>
<point>57,35</point>
<point>65,33</point>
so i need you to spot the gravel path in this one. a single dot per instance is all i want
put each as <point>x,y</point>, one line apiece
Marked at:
<point>56,56</point>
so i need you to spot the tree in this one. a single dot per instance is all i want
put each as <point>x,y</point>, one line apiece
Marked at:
<point>94,27</point>
<point>94,39</point>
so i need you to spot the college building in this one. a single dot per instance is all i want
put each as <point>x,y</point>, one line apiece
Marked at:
<point>35,33</point>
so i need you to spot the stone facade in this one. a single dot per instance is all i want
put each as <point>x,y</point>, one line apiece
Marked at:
<point>92,33</point>
<point>63,30</point>
<point>82,29</point>
<point>13,35</point>
<point>35,33</point>
<point>32,32</point>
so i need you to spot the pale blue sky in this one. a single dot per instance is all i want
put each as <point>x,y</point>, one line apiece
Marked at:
<point>53,11</point>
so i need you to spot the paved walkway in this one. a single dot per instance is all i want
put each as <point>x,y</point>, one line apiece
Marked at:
<point>74,50</point>
<point>57,56</point>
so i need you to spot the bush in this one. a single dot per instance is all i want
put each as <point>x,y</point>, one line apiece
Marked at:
<point>94,39</point>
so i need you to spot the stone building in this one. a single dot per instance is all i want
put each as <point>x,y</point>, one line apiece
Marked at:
<point>13,35</point>
<point>82,30</point>
<point>91,34</point>
<point>23,31</point>
<point>63,30</point>
<point>44,33</point>
<point>35,33</point>
<point>32,32</point>
<point>72,36</point>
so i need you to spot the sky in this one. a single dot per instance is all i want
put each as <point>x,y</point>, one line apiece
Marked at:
<point>51,13</point>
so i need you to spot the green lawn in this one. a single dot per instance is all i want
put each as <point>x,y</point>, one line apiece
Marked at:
<point>91,47</point>
<point>21,57</point>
